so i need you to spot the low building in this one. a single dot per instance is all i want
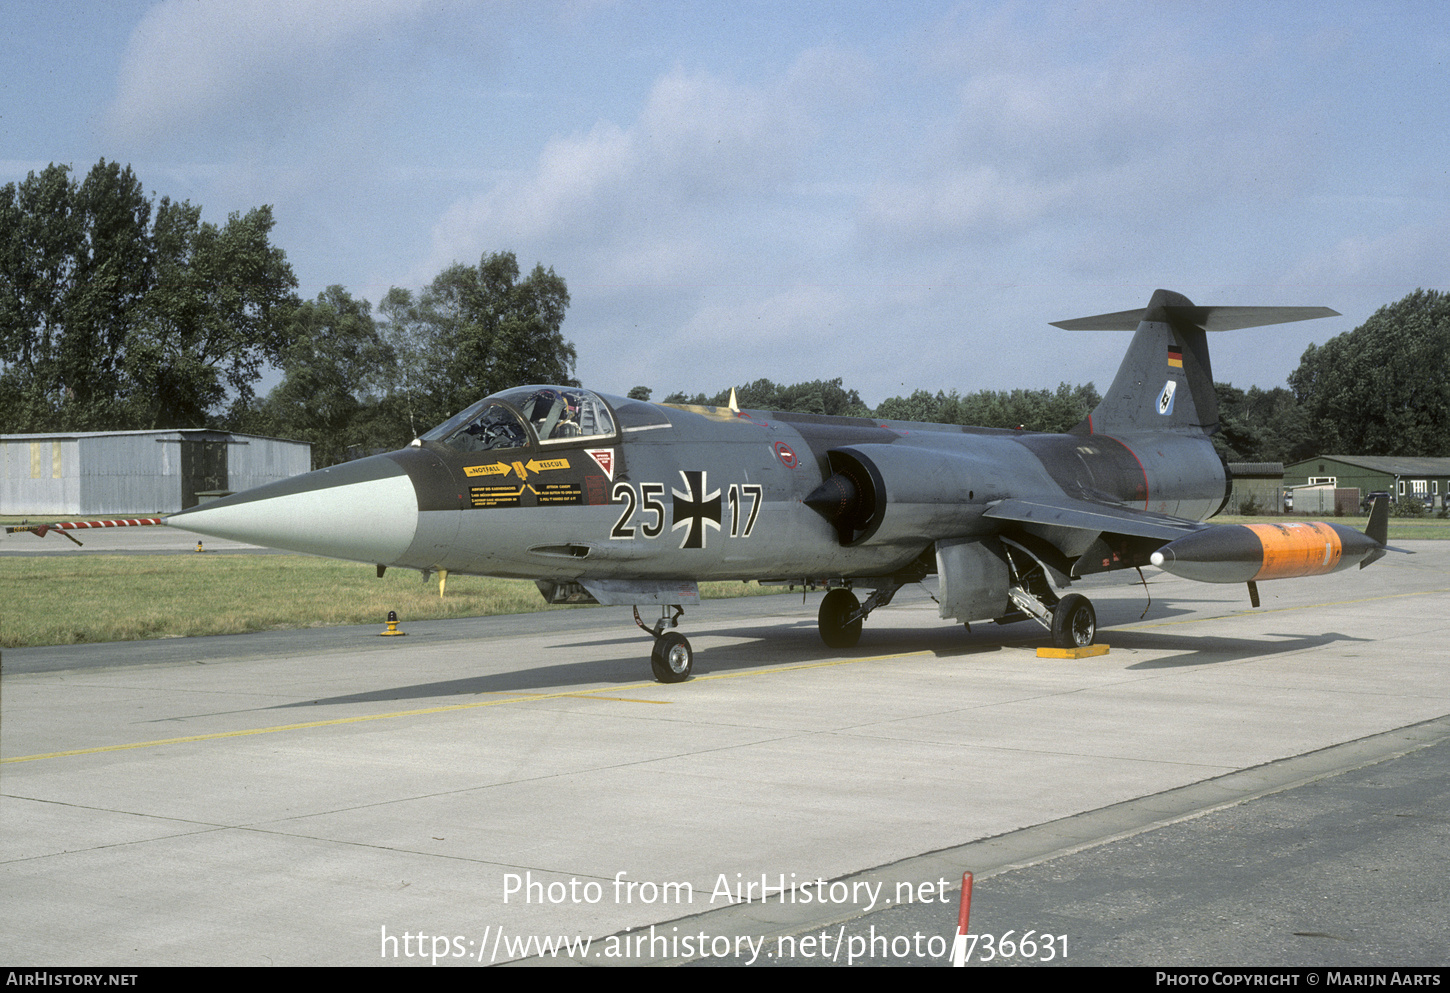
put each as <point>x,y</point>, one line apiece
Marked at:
<point>89,473</point>
<point>1398,475</point>
<point>1258,488</point>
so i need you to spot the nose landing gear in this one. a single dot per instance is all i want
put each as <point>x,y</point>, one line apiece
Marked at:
<point>672,658</point>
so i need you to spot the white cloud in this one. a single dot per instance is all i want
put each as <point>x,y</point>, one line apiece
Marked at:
<point>656,264</point>
<point>806,315</point>
<point>698,142</point>
<point>979,199</point>
<point>197,61</point>
<point>1411,256</point>
<point>706,138</point>
<point>1060,122</point>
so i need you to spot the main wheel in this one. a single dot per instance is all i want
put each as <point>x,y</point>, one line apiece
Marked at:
<point>838,605</point>
<point>672,658</point>
<point>1074,622</point>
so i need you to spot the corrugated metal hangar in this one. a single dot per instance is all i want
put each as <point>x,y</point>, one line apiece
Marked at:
<point>137,472</point>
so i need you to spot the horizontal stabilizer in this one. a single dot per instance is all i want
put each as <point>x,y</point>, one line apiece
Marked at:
<point>1207,318</point>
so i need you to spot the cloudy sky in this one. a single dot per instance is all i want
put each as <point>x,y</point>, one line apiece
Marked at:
<point>899,194</point>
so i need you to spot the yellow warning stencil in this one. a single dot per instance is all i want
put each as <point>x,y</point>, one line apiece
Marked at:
<point>492,469</point>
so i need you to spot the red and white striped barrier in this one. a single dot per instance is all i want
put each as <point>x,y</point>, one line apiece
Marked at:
<point>129,522</point>
<point>41,530</point>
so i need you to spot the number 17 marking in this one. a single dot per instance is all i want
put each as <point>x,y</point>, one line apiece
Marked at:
<point>755,492</point>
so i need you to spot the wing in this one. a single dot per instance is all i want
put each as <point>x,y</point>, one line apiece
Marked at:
<point>1110,536</point>
<point>1087,516</point>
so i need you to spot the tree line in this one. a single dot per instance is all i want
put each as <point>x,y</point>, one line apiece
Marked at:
<point>1381,389</point>
<point>1031,410</point>
<point>122,312</point>
<point>119,312</point>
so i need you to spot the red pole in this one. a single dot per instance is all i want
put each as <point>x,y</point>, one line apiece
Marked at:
<point>959,949</point>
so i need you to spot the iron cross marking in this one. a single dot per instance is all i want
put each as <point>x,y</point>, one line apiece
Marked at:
<point>695,510</point>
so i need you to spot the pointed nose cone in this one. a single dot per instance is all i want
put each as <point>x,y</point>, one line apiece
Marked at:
<point>366,511</point>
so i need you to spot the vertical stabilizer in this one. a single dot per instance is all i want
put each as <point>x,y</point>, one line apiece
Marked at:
<point>1378,531</point>
<point>1165,382</point>
<point>1378,528</point>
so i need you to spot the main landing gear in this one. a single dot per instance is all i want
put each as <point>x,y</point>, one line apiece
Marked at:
<point>672,658</point>
<point>1074,622</point>
<point>1071,620</point>
<point>841,614</point>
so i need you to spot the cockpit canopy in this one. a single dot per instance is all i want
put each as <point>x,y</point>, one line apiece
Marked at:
<point>554,415</point>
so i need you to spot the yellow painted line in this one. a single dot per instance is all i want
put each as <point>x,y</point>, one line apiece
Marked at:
<point>299,727</point>
<point>622,699</point>
<point>585,694</point>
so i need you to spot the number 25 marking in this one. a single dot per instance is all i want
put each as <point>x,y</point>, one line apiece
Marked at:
<point>625,492</point>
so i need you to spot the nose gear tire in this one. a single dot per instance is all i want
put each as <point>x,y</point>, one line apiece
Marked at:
<point>672,658</point>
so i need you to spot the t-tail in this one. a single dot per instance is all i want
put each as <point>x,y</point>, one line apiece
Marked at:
<point>1165,382</point>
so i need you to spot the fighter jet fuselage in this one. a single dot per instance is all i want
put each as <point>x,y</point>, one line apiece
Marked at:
<point>709,493</point>
<point>598,498</point>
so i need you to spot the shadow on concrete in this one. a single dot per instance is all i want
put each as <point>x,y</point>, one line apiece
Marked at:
<point>781,645</point>
<point>1210,650</point>
<point>783,642</point>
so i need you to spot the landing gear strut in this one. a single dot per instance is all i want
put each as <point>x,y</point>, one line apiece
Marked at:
<point>672,659</point>
<point>1071,620</point>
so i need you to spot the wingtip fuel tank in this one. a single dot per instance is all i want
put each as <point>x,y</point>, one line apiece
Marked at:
<point>1247,553</point>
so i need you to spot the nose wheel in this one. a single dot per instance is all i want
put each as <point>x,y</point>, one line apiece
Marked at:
<point>672,659</point>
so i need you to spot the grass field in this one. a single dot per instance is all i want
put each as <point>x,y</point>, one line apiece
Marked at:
<point>67,600</point>
<point>1401,528</point>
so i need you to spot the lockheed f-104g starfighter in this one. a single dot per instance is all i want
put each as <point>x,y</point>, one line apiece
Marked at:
<point>603,499</point>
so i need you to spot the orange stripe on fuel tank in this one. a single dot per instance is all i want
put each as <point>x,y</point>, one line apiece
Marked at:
<point>1297,549</point>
